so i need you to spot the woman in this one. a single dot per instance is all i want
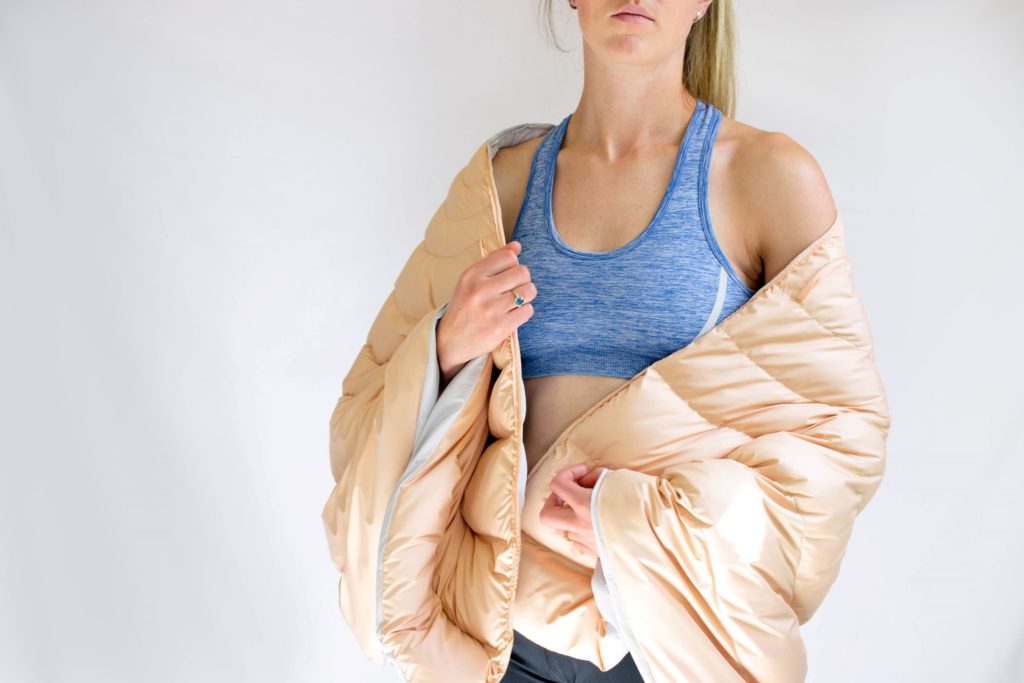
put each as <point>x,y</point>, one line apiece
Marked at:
<point>705,417</point>
<point>649,194</point>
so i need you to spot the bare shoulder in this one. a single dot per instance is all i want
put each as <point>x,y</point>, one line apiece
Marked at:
<point>788,200</point>
<point>511,171</point>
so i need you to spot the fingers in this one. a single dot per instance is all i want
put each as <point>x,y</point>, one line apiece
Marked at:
<point>527,291</point>
<point>559,516</point>
<point>515,277</point>
<point>584,548</point>
<point>568,504</point>
<point>565,485</point>
<point>582,545</point>
<point>500,276</point>
<point>513,246</point>
<point>590,478</point>
<point>565,520</point>
<point>518,316</point>
<point>498,260</point>
<point>567,508</point>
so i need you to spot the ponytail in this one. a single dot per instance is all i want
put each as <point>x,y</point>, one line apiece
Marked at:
<point>709,63</point>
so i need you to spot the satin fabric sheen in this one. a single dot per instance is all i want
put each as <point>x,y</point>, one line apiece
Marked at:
<point>736,468</point>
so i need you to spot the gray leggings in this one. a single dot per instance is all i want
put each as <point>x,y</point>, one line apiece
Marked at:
<point>531,663</point>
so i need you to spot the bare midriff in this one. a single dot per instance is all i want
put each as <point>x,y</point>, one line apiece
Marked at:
<point>553,402</point>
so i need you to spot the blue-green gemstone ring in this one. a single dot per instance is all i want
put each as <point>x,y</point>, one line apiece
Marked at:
<point>518,300</point>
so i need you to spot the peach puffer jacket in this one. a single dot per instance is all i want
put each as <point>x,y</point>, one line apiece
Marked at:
<point>736,468</point>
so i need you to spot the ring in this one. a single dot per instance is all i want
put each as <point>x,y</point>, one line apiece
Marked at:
<point>565,534</point>
<point>517,299</point>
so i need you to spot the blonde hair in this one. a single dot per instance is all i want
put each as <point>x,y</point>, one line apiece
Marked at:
<point>709,60</point>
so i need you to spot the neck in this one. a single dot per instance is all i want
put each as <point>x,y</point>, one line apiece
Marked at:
<point>625,107</point>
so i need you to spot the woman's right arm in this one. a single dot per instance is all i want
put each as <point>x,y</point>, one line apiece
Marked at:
<point>446,370</point>
<point>392,411</point>
<point>384,411</point>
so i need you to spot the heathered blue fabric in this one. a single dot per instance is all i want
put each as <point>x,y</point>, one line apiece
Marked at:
<point>616,312</point>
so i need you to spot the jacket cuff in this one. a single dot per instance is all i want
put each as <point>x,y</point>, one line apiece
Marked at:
<point>602,595</point>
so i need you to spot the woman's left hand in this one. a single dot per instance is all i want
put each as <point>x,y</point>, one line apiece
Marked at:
<point>567,509</point>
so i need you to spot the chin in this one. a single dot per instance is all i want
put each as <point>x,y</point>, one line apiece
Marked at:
<point>630,49</point>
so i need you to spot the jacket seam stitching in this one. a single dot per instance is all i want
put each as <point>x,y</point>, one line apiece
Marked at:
<point>762,368</point>
<point>862,349</point>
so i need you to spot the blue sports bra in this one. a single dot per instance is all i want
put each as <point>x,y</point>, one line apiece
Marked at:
<point>616,312</point>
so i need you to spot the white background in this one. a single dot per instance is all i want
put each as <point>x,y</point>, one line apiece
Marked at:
<point>204,203</point>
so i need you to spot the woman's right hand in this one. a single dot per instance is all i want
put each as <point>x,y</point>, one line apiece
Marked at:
<point>482,311</point>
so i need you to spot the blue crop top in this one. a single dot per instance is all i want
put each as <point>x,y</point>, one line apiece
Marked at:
<point>616,312</point>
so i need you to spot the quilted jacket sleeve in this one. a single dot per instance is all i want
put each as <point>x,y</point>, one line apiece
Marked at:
<point>388,412</point>
<point>753,541</point>
<point>731,554</point>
